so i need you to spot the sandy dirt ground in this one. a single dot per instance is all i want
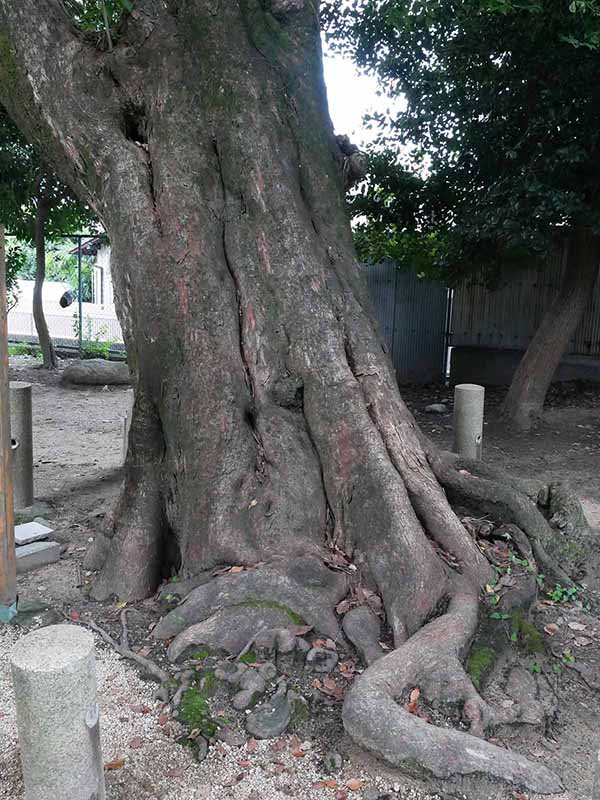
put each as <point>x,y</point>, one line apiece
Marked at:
<point>78,456</point>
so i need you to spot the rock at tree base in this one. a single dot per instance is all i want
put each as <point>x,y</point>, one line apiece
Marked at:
<point>97,372</point>
<point>321,660</point>
<point>272,718</point>
<point>436,408</point>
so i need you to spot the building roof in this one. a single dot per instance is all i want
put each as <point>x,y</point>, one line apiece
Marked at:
<point>91,245</point>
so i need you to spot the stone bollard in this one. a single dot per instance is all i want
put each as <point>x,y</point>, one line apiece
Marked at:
<point>54,678</point>
<point>21,434</point>
<point>468,420</point>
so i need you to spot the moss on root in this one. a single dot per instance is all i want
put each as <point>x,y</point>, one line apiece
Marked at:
<point>481,661</point>
<point>254,602</point>
<point>528,638</point>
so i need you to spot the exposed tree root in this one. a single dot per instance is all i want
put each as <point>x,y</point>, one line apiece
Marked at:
<point>504,504</point>
<point>124,650</point>
<point>431,659</point>
<point>304,589</point>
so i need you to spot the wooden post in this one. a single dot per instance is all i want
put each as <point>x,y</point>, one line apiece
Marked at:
<point>8,569</point>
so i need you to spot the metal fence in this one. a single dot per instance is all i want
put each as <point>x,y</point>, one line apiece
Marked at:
<point>64,328</point>
<point>412,315</point>
<point>507,318</point>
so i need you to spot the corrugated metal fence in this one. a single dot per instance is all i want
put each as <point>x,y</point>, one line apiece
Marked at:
<point>412,320</point>
<point>508,317</point>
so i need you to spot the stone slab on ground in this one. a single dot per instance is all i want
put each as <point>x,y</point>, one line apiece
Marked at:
<point>31,532</point>
<point>35,555</point>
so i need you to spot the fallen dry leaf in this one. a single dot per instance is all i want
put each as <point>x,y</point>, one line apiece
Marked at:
<point>136,743</point>
<point>582,641</point>
<point>551,629</point>
<point>251,745</point>
<point>326,783</point>
<point>354,784</point>
<point>178,772</point>
<point>163,719</point>
<point>116,764</point>
<point>577,626</point>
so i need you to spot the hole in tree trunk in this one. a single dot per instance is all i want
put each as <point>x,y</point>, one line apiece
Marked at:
<point>133,123</point>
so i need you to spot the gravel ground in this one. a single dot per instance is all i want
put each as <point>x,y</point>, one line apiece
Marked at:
<point>158,767</point>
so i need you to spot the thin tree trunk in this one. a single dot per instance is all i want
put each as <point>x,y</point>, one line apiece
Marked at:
<point>525,399</point>
<point>46,344</point>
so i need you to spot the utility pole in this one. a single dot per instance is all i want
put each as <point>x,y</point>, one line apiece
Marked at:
<point>8,569</point>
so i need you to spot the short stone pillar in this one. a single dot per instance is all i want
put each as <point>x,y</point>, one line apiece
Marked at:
<point>468,420</point>
<point>54,678</point>
<point>22,437</point>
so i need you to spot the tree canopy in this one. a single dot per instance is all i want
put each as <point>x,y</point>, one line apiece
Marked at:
<point>501,121</point>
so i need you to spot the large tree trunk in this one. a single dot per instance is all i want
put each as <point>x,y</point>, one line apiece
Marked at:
<point>525,399</point>
<point>46,344</point>
<point>268,431</point>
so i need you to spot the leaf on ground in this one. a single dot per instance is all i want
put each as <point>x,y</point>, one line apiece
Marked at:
<point>344,606</point>
<point>74,615</point>
<point>520,796</point>
<point>551,629</point>
<point>320,643</point>
<point>236,570</point>
<point>411,706</point>
<point>163,719</point>
<point>298,753</point>
<point>116,764</point>
<point>331,689</point>
<point>279,745</point>
<point>577,626</point>
<point>144,651</point>
<point>121,603</point>
<point>582,641</point>
<point>341,794</point>
<point>244,763</point>
<point>326,783</point>
<point>354,784</point>
<point>136,743</point>
<point>178,772</point>
<point>251,745</point>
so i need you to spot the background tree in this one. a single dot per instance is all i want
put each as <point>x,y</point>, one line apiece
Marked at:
<point>267,432</point>
<point>502,117</point>
<point>35,205</point>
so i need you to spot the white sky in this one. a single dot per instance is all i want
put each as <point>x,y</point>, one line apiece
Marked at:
<point>351,95</point>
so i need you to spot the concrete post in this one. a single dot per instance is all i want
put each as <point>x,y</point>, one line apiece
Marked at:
<point>21,434</point>
<point>54,678</point>
<point>468,420</point>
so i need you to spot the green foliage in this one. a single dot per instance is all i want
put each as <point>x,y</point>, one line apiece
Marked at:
<point>248,658</point>
<point>563,594</point>
<point>93,345</point>
<point>24,349</point>
<point>501,124</point>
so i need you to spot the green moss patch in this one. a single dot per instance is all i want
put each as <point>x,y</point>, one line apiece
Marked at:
<point>481,661</point>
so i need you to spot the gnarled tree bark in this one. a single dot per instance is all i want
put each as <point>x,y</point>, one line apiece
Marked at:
<point>525,399</point>
<point>268,430</point>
